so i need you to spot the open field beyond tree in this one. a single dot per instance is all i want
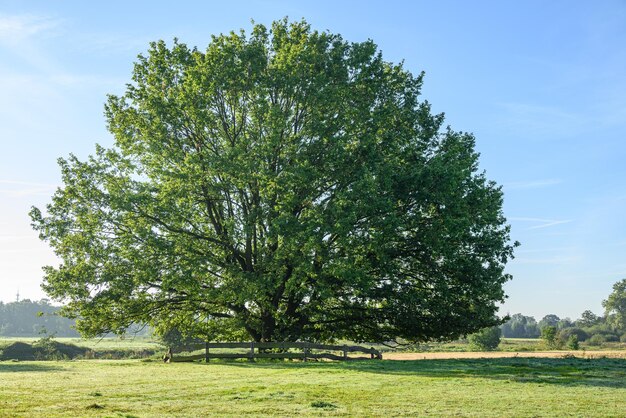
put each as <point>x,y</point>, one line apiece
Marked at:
<point>555,354</point>
<point>146,347</point>
<point>470,387</point>
<point>107,343</point>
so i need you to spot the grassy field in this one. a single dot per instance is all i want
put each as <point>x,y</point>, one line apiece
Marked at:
<point>507,344</point>
<point>480,388</point>
<point>146,343</point>
<point>108,343</point>
<point>72,348</point>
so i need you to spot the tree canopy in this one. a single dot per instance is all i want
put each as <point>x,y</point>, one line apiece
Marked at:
<point>588,319</point>
<point>615,306</point>
<point>284,184</point>
<point>520,326</point>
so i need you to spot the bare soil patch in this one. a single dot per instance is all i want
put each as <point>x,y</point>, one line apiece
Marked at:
<point>504,354</point>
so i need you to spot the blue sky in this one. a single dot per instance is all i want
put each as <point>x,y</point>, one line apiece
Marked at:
<point>542,85</point>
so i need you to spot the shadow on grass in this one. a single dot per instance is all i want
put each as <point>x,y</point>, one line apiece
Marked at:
<point>565,372</point>
<point>12,367</point>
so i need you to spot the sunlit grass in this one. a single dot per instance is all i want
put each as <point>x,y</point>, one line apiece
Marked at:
<point>107,343</point>
<point>494,387</point>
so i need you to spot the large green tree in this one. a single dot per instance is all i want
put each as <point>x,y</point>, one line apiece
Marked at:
<point>615,306</point>
<point>284,184</point>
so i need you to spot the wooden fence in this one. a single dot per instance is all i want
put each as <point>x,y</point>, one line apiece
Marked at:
<point>256,350</point>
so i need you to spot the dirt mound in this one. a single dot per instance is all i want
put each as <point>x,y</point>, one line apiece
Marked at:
<point>17,351</point>
<point>41,350</point>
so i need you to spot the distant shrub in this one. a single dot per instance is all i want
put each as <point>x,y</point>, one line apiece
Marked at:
<point>47,348</point>
<point>486,339</point>
<point>565,333</point>
<point>548,335</point>
<point>572,342</point>
<point>602,329</point>
<point>596,340</point>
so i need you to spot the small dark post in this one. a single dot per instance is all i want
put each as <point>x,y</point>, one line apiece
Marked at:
<point>168,355</point>
<point>251,358</point>
<point>206,352</point>
<point>345,352</point>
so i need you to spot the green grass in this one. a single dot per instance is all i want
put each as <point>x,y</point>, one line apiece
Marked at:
<point>69,348</point>
<point>107,343</point>
<point>479,388</point>
<point>506,344</point>
<point>146,343</point>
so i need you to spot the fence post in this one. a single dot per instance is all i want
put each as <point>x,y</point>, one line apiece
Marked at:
<point>206,351</point>
<point>251,358</point>
<point>345,352</point>
<point>305,349</point>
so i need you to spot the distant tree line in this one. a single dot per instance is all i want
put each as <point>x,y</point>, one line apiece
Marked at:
<point>522,326</point>
<point>590,327</point>
<point>28,318</point>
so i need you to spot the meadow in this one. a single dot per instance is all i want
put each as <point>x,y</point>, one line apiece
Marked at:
<point>474,388</point>
<point>106,343</point>
<point>115,348</point>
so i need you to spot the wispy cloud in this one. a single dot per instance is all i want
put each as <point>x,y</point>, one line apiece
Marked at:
<point>541,222</point>
<point>113,43</point>
<point>23,34</point>
<point>564,260</point>
<point>18,188</point>
<point>15,28</point>
<point>545,250</point>
<point>531,184</point>
<point>550,223</point>
<point>86,80</point>
<point>25,38</point>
